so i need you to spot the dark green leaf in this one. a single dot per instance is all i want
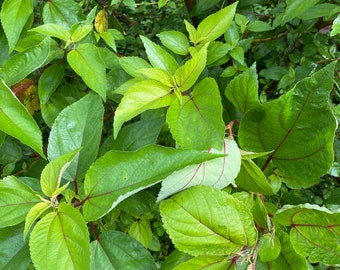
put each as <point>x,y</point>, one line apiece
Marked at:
<point>295,8</point>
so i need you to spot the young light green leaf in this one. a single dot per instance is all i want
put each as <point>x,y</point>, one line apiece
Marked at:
<point>49,81</point>
<point>187,75</point>
<point>35,212</point>
<point>158,57</point>
<point>17,122</point>
<point>132,65</point>
<point>336,26</point>
<point>192,32</point>
<point>299,127</point>
<point>206,263</point>
<point>117,250</point>
<point>141,231</point>
<point>259,26</point>
<point>87,62</point>
<point>81,32</point>
<point>63,13</point>
<point>251,178</point>
<point>175,41</point>
<point>159,75</point>
<point>52,173</point>
<point>15,253</point>
<point>141,96</point>
<point>15,13</point>
<point>288,259</point>
<point>238,54</point>
<point>206,221</point>
<point>217,173</point>
<point>77,126</point>
<point>20,65</point>
<point>60,240</point>
<point>315,231</point>
<point>215,25</point>
<point>269,247</point>
<point>199,114</point>
<point>260,214</point>
<point>16,200</point>
<point>242,91</point>
<point>53,30</point>
<point>118,175</point>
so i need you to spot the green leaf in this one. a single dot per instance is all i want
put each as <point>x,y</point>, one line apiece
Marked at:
<point>17,122</point>
<point>260,213</point>
<point>175,258</point>
<point>141,231</point>
<point>158,57</point>
<point>192,31</point>
<point>269,247</point>
<point>315,231</point>
<point>217,173</point>
<point>336,26</point>
<point>77,126</point>
<point>175,41</point>
<point>288,259</point>
<point>35,212</point>
<point>49,81</point>
<point>53,30</point>
<point>132,65</point>
<point>295,8</point>
<point>238,54</point>
<point>216,24</point>
<point>60,240</point>
<point>159,75</point>
<point>320,10</point>
<point>87,62</point>
<point>259,26</point>
<point>65,13</point>
<point>187,75</point>
<point>242,91</point>
<point>20,65</point>
<point>16,200</point>
<point>15,253</point>
<point>206,221</point>
<point>117,250</point>
<point>15,13</point>
<point>217,51</point>
<point>251,178</point>
<point>299,127</point>
<point>141,96</point>
<point>199,114</point>
<point>81,32</point>
<point>52,173</point>
<point>118,175</point>
<point>206,263</point>
<point>52,108</point>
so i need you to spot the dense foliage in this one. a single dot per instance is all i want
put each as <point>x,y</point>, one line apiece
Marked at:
<point>169,134</point>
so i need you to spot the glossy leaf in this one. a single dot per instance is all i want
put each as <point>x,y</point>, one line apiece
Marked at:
<point>269,247</point>
<point>52,173</point>
<point>206,263</point>
<point>62,12</point>
<point>81,32</point>
<point>20,65</point>
<point>159,75</point>
<point>117,250</point>
<point>17,122</point>
<point>132,65</point>
<point>77,126</point>
<point>158,57</point>
<point>251,178</point>
<point>191,31</point>
<point>16,199</point>
<point>53,30</point>
<point>315,231</point>
<point>141,96</point>
<point>299,128</point>
<point>217,173</point>
<point>118,175</point>
<point>35,212</point>
<point>242,91</point>
<point>295,8</point>
<point>216,24</point>
<point>49,81</point>
<point>206,221</point>
<point>15,13</point>
<point>14,253</point>
<point>288,259</point>
<point>175,41</point>
<point>61,240</point>
<point>187,75</point>
<point>199,114</point>
<point>87,62</point>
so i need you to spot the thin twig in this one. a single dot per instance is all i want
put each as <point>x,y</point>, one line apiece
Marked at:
<point>270,38</point>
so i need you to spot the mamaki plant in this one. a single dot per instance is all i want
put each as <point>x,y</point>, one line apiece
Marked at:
<point>171,182</point>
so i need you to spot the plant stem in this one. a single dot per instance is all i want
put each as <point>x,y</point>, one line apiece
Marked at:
<point>270,38</point>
